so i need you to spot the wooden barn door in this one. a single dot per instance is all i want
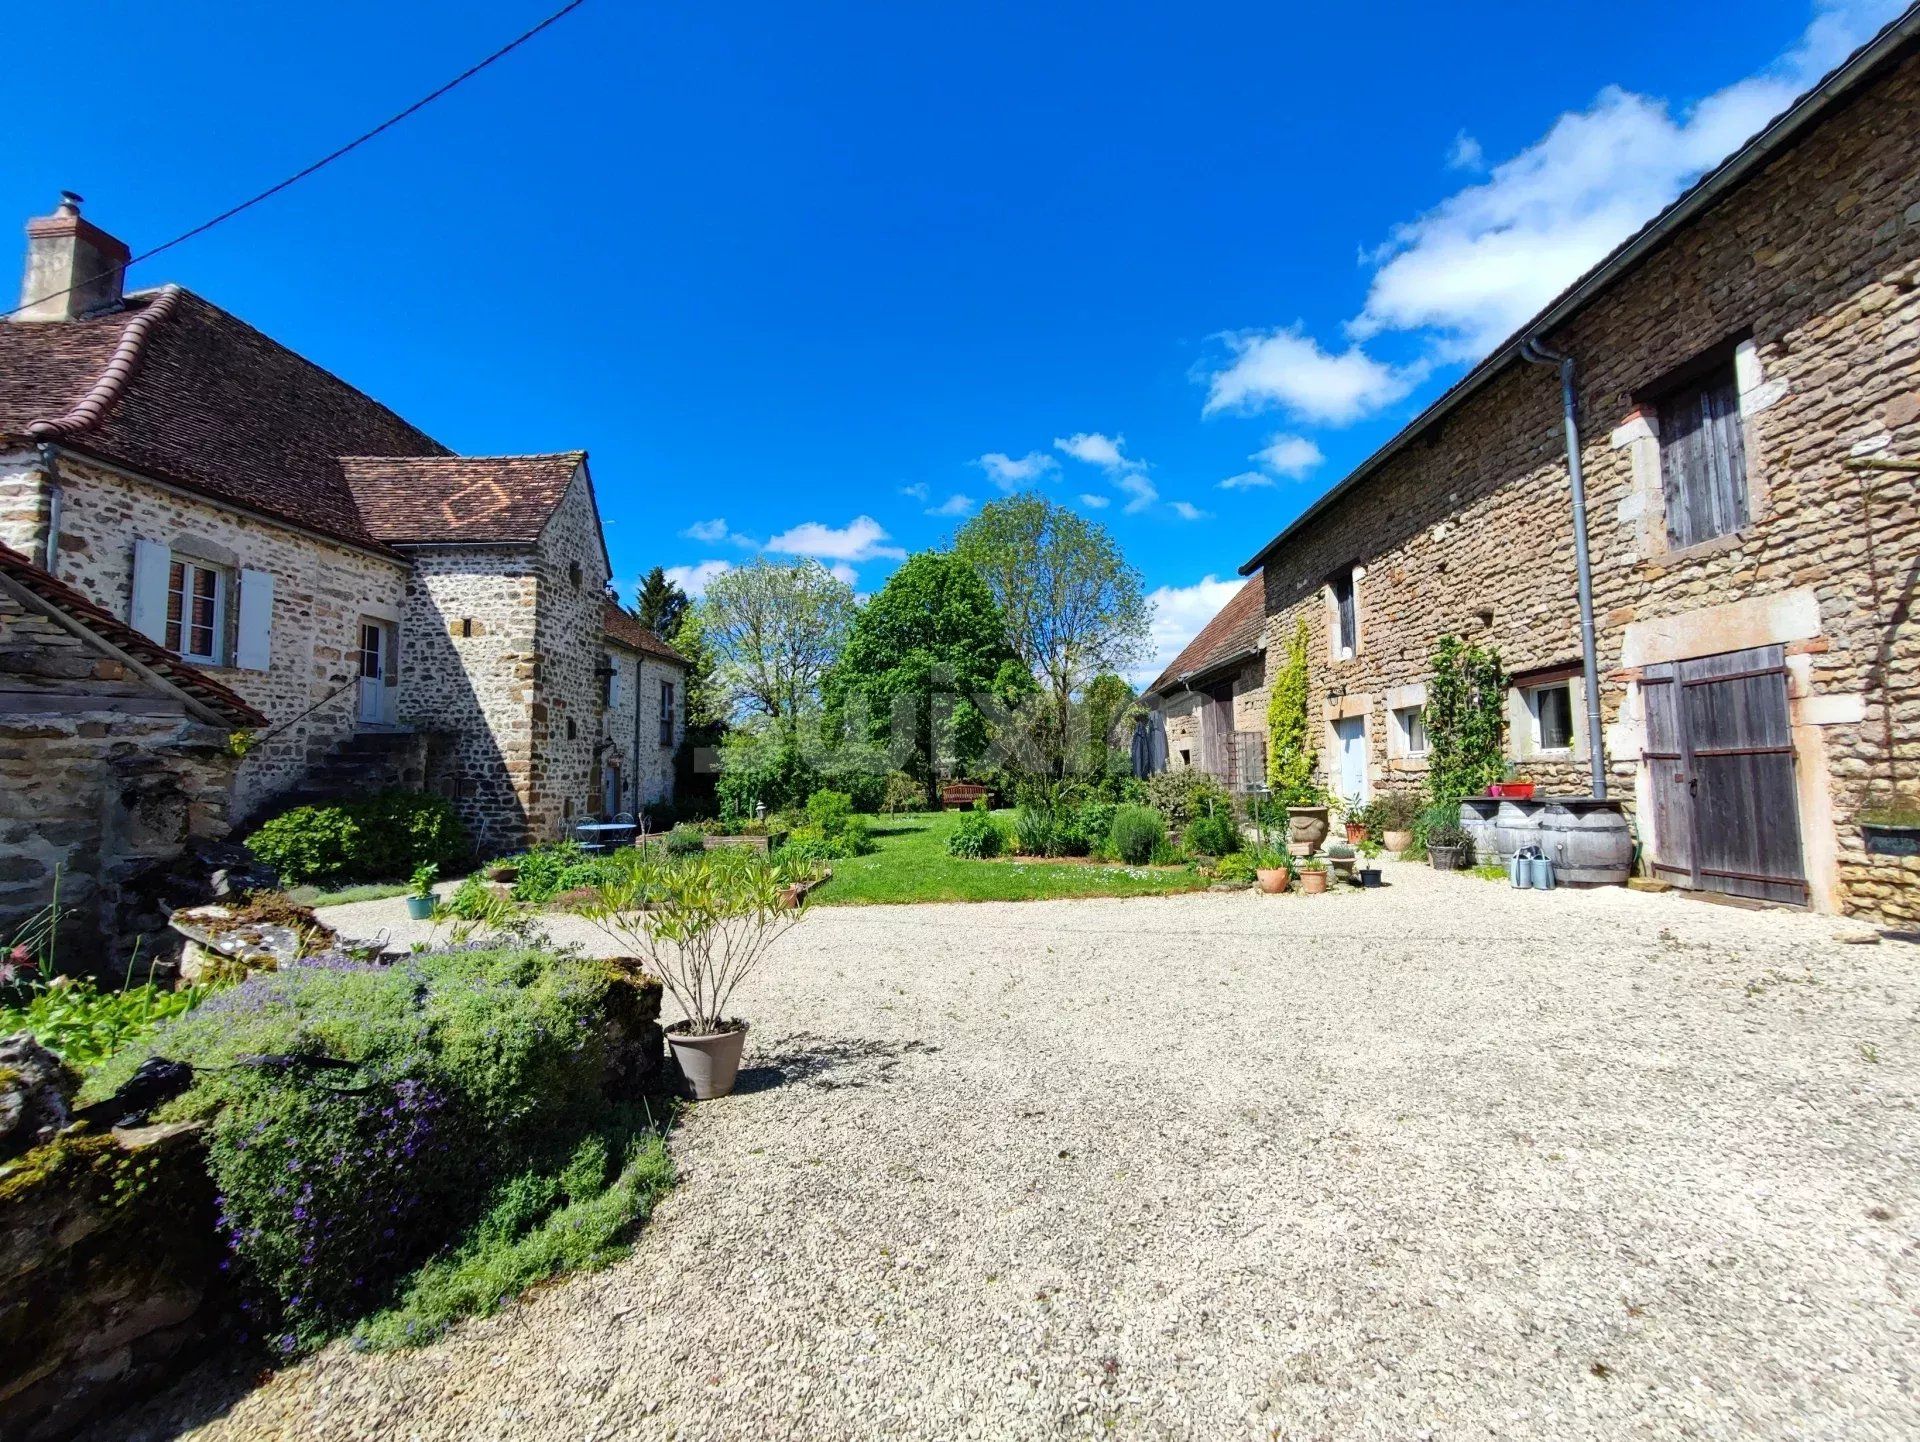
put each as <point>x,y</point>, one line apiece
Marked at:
<point>1719,752</point>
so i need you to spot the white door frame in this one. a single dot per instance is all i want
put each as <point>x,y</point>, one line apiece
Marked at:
<point>1351,753</point>
<point>378,674</point>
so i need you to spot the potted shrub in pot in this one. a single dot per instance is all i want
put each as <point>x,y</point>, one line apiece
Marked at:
<point>701,924</point>
<point>1340,859</point>
<point>1449,848</point>
<point>420,899</point>
<point>1368,872</point>
<point>1362,822</point>
<point>1395,812</point>
<point>1313,875</point>
<point>1271,868</point>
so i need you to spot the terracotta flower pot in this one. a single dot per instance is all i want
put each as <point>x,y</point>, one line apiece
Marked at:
<point>1273,880</point>
<point>710,1062</point>
<point>1312,881</point>
<point>1356,832</point>
<point>1396,840</point>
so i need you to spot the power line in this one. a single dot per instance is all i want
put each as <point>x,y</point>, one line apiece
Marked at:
<point>320,164</point>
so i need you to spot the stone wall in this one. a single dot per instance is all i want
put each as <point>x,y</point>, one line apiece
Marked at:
<point>321,591</point>
<point>468,671</point>
<point>102,778</point>
<point>1180,713</point>
<point>1468,528</point>
<point>571,566</point>
<point>654,760</point>
<point>108,1256</point>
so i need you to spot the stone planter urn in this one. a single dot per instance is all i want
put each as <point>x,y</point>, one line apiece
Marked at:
<point>1306,829</point>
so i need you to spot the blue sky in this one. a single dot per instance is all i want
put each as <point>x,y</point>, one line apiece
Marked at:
<point>822,278</point>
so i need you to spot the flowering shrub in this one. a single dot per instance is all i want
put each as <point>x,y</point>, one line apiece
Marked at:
<point>362,1116</point>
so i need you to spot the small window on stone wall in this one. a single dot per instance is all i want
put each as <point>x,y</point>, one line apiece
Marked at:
<point>466,627</point>
<point>573,731</point>
<point>574,574</point>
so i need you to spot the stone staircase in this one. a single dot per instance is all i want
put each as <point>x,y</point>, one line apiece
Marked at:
<point>360,765</point>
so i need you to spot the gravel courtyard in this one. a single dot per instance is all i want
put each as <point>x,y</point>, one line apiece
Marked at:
<point>1444,1160</point>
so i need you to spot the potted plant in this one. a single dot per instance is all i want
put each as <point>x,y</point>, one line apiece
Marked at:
<point>1307,823</point>
<point>701,924</point>
<point>1518,786</point>
<point>420,901</point>
<point>1368,874</point>
<point>1891,828</point>
<point>1449,848</point>
<point>1396,811</point>
<point>1340,859</point>
<point>1313,875</point>
<point>1270,867</point>
<point>1362,822</point>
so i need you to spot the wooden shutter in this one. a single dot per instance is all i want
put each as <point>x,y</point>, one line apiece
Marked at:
<point>147,613</point>
<point>1703,460</point>
<point>254,650</point>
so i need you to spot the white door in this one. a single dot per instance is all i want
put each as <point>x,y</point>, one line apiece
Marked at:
<point>377,675</point>
<point>1351,734</point>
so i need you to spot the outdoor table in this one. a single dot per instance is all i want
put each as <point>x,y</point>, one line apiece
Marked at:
<point>593,835</point>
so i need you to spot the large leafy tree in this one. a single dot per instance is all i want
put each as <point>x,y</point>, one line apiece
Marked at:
<point>660,604</point>
<point>918,658</point>
<point>1074,607</point>
<point>774,629</point>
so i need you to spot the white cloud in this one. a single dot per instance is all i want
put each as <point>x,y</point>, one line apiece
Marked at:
<point>918,490</point>
<point>1010,473</point>
<point>954,505</point>
<point>1178,614</point>
<point>1475,267</point>
<point>694,580</point>
<point>1141,492</point>
<point>841,571</point>
<point>1187,511</point>
<point>1466,154</point>
<point>1246,481</point>
<point>859,540</point>
<point>1290,456</point>
<point>1094,502</point>
<point>1097,450</point>
<point>709,531</point>
<point>1287,369</point>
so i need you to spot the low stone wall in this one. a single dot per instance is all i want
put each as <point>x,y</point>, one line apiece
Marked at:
<point>108,1261</point>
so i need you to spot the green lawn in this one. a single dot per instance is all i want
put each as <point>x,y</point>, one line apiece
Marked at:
<point>912,864</point>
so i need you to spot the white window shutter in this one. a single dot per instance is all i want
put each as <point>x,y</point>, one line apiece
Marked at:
<point>255,650</point>
<point>147,613</point>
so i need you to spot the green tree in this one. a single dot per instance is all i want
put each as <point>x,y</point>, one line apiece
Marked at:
<point>775,629</point>
<point>917,656</point>
<point>1074,607</point>
<point>660,604</point>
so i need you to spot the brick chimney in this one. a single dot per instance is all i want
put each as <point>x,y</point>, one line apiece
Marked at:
<point>73,266</point>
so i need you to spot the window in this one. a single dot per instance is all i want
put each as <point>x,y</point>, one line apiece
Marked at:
<point>666,713</point>
<point>611,676</point>
<point>195,599</point>
<point>1551,709</point>
<point>1410,725</point>
<point>1346,642</point>
<point>1703,457</point>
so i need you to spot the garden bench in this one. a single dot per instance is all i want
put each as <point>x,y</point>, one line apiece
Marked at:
<point>960,795</point>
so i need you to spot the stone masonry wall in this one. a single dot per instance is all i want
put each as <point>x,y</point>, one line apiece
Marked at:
<point>1468,529</point>
<point>321,591</point>
<point>468,663</point>
<point>100,778</point>
<point>1181,713</point>
<point>571,567</point>
<point>617,733</point>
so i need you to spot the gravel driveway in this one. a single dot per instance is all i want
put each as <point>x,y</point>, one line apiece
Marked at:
<point>1444,1160</point>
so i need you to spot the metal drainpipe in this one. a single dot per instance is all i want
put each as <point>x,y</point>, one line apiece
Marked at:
<point>1533,350</point>
<point>638,667</point>
<point>50,466</point>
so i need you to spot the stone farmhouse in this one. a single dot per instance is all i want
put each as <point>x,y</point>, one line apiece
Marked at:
<point>1745,380</point>
<point>395,612</point>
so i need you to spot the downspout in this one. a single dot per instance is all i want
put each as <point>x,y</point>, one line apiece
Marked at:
<point>50,468</point>
<point>1532,350</point>
<point>639,668</point>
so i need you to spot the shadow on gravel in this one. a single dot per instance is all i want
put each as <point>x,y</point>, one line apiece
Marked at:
<point>828,1063</point>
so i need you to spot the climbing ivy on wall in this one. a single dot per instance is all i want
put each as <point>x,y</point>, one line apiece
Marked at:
<point>1289,759</point>
<point>1466,719</point>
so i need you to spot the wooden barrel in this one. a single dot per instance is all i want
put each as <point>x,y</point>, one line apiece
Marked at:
<point>1476,819</point>
<point>1516,825</point>
<point>1589,842</point>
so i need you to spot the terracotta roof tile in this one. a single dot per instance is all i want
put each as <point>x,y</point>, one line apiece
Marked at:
<point>1238,627</point>
<point>190,679</point>
<point>624,627</point>
<point>458,498</point>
